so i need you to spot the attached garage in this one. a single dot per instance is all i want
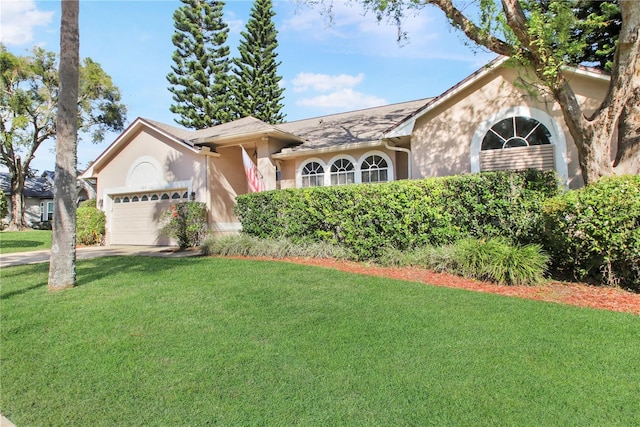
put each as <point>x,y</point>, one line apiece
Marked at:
<point>137,218</point>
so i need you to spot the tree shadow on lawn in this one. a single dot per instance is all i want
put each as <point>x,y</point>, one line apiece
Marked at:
<point>92,270</point>
<point>23,244</point>
<point>88,271</point>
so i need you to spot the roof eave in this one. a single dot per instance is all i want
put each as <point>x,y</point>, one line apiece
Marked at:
<point>138,123</point>
<point>221,141</point>
<point>324,150</point>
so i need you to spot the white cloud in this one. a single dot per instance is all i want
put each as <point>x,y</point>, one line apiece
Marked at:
<point>343,99</point>
<point>323,82</point>
<point>18,18</point>
<point>235,24</point>
<point>333,92</point>
<point>350,29</point>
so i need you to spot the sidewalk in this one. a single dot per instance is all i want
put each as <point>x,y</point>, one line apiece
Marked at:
<point>36,257</point>
<point>5,422</point>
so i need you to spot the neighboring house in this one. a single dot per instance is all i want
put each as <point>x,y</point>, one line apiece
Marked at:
<point>38,197</point>
<point>489,121</point>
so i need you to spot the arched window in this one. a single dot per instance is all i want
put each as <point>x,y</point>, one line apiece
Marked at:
<point>342,172</point>
<point>144,198</point>
<point>175,196</point>
<point>519,138</point>
<point>313,175</point>
<point>374,169</point>
<point>154,197</point>
<point>516,131</point>
<point>164,196</point>
<point>135,199</point>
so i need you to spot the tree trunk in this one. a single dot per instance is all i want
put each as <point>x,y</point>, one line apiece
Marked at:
<point>62,267</point>
<point>628,59</point>
<point>17,222</point>
<point>628,154</point>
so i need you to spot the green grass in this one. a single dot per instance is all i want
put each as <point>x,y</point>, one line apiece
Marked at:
<point>24,241</point>
<point>204,341</point>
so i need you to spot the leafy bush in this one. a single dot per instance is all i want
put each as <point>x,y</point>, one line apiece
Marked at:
<point>89,202</point>
<point>4,208</point>
<point>245,245</point>
<point>495,260</point>
<point>368,218</point>
<point>90,225</point>
<point>187,223</point>
<point>594,233</point>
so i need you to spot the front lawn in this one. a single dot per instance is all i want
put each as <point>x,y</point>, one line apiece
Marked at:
<point>206,341</point>
<point>23,241</point>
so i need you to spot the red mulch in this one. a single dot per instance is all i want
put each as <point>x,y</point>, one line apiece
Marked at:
<point>578,294</point>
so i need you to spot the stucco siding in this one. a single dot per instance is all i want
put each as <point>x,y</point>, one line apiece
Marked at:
<point>441,140</point>
<point>226,180</point>
<point>150,162</point>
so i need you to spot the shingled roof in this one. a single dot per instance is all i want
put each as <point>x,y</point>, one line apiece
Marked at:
<point>335,130</point>
<point>353,127</point>
<point>40,187</point>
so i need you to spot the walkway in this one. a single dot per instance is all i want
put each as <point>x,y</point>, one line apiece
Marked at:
<point>36,257</point>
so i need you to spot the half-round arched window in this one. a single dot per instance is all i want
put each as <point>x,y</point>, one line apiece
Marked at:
<point>374,169</point>
<point>342,172</point>
<point>313,175</point>
<point>516,131</point>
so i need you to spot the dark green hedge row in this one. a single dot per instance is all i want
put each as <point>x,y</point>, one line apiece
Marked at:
<point>404,214</point>
<point>594,233</point>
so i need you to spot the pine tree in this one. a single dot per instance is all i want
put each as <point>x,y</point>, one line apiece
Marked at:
<point>199,80</point>
<point>255,78</point>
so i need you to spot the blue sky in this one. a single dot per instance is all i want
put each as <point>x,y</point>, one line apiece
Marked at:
<point>328,66</point>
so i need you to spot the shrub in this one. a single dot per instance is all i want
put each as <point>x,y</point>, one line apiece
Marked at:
<point>90,225</point>
<point>594,233</point>
<point>92,203</point>
<point>187,223</point>
<point>4,208</point>
<point>495,260</point>
<point>368,218</point>
<point>245,245</point>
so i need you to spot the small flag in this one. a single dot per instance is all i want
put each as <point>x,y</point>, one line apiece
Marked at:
<point>253,176</point>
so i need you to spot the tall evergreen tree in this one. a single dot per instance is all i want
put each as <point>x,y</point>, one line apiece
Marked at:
<point>255,73</point>
<point>199,79</point>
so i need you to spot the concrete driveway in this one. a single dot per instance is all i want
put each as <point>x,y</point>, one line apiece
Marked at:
<point>35,257</point>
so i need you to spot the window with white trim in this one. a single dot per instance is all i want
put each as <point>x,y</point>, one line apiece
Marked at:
<point>46,211</point>
<point>313,175</point>
<point>516,131</point>
<point>374,169</point>
<point>342,172</point>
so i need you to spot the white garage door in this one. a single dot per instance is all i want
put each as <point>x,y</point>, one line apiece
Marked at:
<point>137,218</point>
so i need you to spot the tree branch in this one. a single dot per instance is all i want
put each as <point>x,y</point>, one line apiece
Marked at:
<point>471,30</point>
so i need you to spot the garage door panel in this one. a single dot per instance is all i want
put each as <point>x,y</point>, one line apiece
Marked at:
<point>138,223</point>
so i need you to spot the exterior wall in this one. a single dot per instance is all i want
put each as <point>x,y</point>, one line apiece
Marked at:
<point>226,180</point>
<point>149,161</point>
<point>31,210</point>
<point>441,140</point>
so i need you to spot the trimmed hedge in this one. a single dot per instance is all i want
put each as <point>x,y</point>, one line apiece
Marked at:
<point>594,233</point>
<point>368,218</point>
